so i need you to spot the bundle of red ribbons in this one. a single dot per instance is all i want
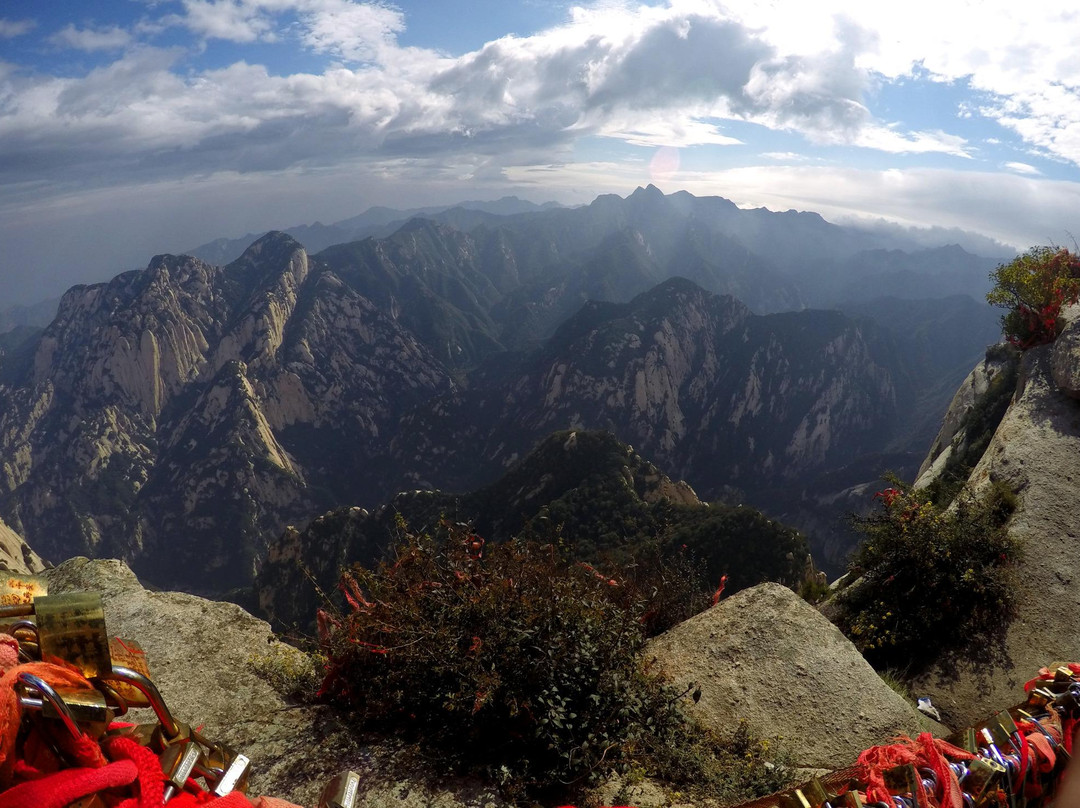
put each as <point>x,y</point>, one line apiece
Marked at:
<point>1014,759</point>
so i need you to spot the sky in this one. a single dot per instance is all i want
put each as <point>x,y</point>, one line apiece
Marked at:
<point>135,127</point>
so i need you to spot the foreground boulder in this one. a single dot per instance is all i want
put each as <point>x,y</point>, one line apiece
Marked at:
<point>203,657</point>
<point>767,657</point>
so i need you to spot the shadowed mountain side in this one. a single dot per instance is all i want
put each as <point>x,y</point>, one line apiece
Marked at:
<point>714,394</point>
<point>584,490</point>
<point>213,406</point>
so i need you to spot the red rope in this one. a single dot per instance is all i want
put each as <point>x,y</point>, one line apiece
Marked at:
<point>150,778</point>
<point>64,787</point>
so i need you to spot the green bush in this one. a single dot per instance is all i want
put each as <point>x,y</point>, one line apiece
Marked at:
<point>935,582</point>
<point>1033,287</point>
<point>512,661</point>
<point>665,586</point>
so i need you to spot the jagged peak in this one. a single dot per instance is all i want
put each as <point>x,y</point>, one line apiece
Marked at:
<point>678,289</point>
<point>419,224</point>
<point>266,260</point>
<point>650,191</point>
<point>275,241</point>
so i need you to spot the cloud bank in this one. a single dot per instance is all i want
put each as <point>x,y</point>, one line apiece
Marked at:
<point>184,95</point>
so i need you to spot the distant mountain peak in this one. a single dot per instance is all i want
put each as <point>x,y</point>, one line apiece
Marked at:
<point>274,240</point>
<point>650,191</point>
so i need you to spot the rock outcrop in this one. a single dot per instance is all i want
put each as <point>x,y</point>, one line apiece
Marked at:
<point>1035,452</point>
<point>952,438</point>
<point>204,655</point>
<point>766,656</point>
<point>16,555</point>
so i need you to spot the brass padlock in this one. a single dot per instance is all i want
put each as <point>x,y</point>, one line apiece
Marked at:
<point>20,590</point>
<point>72,627</point>
<point>129,654</point>
<point>852,799</point>
<point>815,793</point>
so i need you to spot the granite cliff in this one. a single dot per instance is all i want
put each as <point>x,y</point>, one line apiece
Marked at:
<point>1034,451</point>
<point>193,401</point>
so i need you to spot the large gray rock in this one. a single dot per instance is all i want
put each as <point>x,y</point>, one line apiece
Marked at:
<point>1036,452</point>
<point>766,656</point>
<point>201,653</point>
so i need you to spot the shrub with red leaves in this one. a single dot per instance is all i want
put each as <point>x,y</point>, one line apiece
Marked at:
<point>1034,287</point>
<point>515,659</point>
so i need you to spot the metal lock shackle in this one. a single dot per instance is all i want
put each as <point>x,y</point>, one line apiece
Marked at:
<point>148,689</point>
<point>26,625</point>
<point>54,699</point>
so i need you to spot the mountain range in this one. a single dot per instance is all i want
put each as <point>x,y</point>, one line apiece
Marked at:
<point>181,416</point>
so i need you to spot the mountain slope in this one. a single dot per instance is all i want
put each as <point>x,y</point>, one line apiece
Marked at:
<point>583,491</point>
<point>715,394</point>
<point>191,401</point>
<point>215,405</point>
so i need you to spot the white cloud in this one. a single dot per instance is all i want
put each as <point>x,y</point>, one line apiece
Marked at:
<point>889,140</point>
<point>785,157</point>
<point>233,20</point>
<point>356,32</point>
<point>92,39</point>
<point>677,133</point>
<point>1023,168</point>
<point>9,29</point>
<point>649,75</point>
<point>353,31</point>
<point>1021,55</point>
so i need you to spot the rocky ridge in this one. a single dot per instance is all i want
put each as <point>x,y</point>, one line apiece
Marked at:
<point>194,400</point>
<point>1035,451</point>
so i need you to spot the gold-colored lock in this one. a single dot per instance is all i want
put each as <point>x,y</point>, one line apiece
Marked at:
<point>20,590</point>
<point>852,799</point>
<point>815,793</point>
<point>72,627</point>
<point>87,707</point>
<point>129,654</point>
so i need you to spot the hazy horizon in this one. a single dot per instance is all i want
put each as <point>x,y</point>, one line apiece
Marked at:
<point>148,127</point>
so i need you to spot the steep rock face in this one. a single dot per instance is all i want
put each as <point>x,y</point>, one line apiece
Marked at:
<point>179,417</point>
<point>16,555</point>
<point>952,433</point>
<point>767,657</point>
<point>712,393</point>
<point>204,657</point>
<point>1036,452</point>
